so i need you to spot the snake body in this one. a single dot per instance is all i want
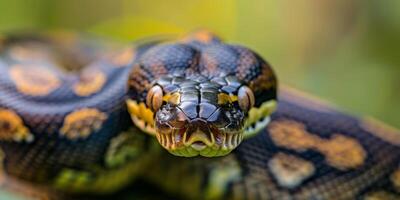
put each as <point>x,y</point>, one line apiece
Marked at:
<point>310,150</point>
<point>81,131</point>
<point>56,124</point>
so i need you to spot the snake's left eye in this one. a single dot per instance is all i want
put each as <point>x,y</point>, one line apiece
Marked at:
<point>246,98</point>
<point>154,98</point>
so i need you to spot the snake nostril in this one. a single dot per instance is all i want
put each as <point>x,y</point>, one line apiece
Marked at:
<point>163,127</point>
<point>179,120</point>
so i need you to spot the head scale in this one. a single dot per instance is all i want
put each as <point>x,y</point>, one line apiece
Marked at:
<point>201,100</point>
<point>197,115</point>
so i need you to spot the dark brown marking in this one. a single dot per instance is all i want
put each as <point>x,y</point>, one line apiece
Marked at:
<point>138,79</point>
<point>265,81</point>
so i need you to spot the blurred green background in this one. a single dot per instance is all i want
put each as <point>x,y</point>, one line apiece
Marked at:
<point>346,51</point>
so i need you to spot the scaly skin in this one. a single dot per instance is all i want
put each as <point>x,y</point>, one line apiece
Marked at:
<point>201,96</point>
<point>310,150</point>
<point>70,131</point>
<point>75,135</point>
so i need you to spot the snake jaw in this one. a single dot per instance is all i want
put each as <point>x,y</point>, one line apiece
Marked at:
<point>198,146</point>
<point>200,116</point>
<point>199,136</point>
<point>259,118</point>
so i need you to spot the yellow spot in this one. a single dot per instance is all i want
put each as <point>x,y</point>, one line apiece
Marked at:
<point>233,97</point>
<point>340,151</point>
<point>381,195</point>
<point>203,36</point>
<point>223,98</point>
<point>72,178</point>
<point>91,81</point>
<point>146,114</point>
<point>34,80</point>
<point>256,114</point>
<point>81,123</point>
<point>290,171</point>
<point>174,98</point>
<point>395,178</point>
<point>12,127</point>
<point>142,116</point>
<point>292,135</point>
<point>122,59</point>
<point>29,53</point>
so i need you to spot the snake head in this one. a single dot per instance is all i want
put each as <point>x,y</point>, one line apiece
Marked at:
<point>201,100</point>
<point>199,126</point>
<point>196,115</point>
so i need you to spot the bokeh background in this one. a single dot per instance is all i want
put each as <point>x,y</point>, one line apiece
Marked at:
<point>345,51</point>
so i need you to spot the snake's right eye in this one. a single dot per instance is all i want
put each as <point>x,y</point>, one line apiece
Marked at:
<point>246,98</point>
<point>154,98</point>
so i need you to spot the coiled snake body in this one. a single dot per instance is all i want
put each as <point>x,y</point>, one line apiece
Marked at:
<point>73,131</point>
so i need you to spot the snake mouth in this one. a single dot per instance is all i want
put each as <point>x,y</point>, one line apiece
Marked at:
<point>207,144</point>
<point>198,146</point>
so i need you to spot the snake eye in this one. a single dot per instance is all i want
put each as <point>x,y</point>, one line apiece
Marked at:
<point>154,98</point>
<point>246,98</point>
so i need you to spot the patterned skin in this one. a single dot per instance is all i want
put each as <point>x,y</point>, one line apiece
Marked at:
<point>308,151</point>
<point>73,133</point>
<point>67,129</point>
<point>202,96</point>
<point>46,111</point>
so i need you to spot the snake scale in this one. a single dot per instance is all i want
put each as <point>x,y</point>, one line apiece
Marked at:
<point>74,115</point>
